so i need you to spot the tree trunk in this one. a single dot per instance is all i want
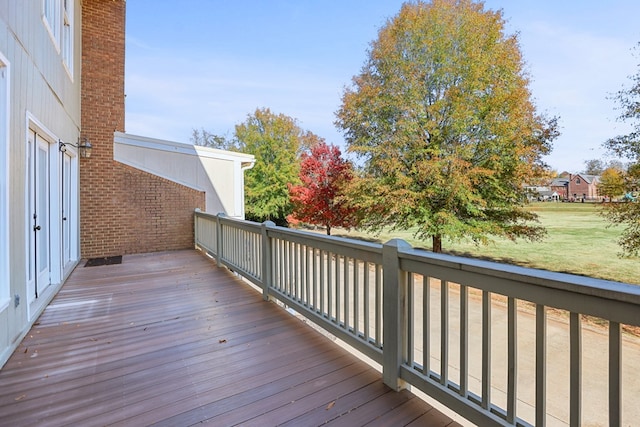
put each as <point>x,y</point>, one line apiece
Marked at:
<point>328,230</point>
<point>437,243</point>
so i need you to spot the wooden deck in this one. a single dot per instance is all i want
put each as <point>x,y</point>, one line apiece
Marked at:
<point>170,339</point>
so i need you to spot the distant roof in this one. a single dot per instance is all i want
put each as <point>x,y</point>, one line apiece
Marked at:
<point>588,178</point>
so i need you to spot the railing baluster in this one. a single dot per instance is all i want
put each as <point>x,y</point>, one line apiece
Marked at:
<point>309,269</point>
<point>486,350</point>
<point>288,255</point>
<point>464,340</point>
<point>266,260</point>
<point>321,284</point>
<point>281,265</point>
<point>314,280</point>
<point>338,299</point>
<point>512,359</point>
<point>379,303</point>
<point>291,272</point>
<point>346,298</point>
<point>356,297</point>
<point>301,268</point>
<point>575,338</point>
<point>257,248</point>
<point>297,271</point>
<point>541,365</point>
<point>615,365</point>
<point>367,323</point>
<point>444,332</point>
<point>329,286</point>
<point>410,345</point>
<point>426,325</point>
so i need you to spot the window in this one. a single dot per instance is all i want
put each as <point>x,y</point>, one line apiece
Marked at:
<point>52,19</point>
<point>4,182</point>
<point>67,34</point>
<point>578,181</point>
<point>58,17</point>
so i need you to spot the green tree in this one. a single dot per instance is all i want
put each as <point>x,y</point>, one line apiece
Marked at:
<point>594,167</point>
<point>612,183</point>
<point>598,166</point>
<point>442,116</point>
<point>205,138</point>
<point>628,214</point>
<point>276,141</point>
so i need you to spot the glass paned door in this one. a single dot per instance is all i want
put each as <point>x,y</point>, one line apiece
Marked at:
<point>39,216</point>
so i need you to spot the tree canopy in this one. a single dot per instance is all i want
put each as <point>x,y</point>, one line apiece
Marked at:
<point>276,141</point>
<point>612,183</point>
<point>205,138</point>
<point>628,214</point>
<point>319,199</point>
<point>442,117</point>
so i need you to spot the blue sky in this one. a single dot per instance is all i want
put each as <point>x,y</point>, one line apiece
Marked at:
<point>209,63</point>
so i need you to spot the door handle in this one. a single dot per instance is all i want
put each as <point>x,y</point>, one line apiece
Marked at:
<point>36,228</point>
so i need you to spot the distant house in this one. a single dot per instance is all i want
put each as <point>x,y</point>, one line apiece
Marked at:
<point>542,193</point>
<point>576,187</point>
<point>583,187</point>
<point>560,186</point>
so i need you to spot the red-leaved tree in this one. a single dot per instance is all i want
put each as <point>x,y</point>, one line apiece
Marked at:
<point>319,199</point>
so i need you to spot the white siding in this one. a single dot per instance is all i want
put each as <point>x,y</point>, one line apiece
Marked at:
<point>45,95</point>
<point>216,172</point>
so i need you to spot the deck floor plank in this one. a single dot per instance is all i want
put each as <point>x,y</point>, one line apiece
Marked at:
<point>170,339</point>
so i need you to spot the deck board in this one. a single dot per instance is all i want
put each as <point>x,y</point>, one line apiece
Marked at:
<point>170,339</point>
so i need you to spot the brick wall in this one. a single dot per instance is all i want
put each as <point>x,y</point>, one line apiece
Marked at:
<point>122,210</point>
<point>579,188</point>
<point>158,214</point>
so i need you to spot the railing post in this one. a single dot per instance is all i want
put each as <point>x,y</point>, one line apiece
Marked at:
<point>394,324</point>
<point>219,244</point>
<point>196,231</point>
<point>267,261</point>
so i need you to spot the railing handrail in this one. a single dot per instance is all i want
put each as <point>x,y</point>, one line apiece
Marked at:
<point>337,282</point>
<point>617,291</point>
<point>584,285</point>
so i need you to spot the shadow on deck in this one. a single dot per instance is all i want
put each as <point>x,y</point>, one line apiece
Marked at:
<point>170,339</point>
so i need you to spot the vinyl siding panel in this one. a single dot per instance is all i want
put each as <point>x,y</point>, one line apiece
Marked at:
<point>41,89</point>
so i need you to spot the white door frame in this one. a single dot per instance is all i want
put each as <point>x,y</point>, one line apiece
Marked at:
<point>4,182</point>
<point>44,199</point>
<point>70,220</point>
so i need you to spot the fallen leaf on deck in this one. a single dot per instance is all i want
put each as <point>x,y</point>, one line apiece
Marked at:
<point>330,405</point>
<point>26,350</point>
<point>22,396</point>
<point>93,339</point>
<point>222,341</point>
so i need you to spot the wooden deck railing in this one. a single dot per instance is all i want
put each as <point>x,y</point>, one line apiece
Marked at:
<point>448,326</point>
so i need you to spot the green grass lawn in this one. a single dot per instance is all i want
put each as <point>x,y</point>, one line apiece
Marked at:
<point>578,241</point>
